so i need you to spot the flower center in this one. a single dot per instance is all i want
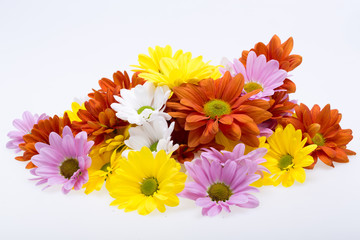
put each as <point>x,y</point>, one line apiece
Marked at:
<point>153,146</point>
<point>285,161</point>
<point>149,186</point>
<point>69,167</point>
<point>105,166</point>
<point>140,110</point>
<point>219,192</point>
<point>251,86</point>
<point>216,108</point>
<point>318,139</point>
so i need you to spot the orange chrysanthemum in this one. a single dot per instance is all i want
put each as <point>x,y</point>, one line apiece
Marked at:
<point>217,107</point>
<point>99,119</point>
<point>280,52</point>
<point>40,133</point>
<point>321,127</point>
<point>280,106</point>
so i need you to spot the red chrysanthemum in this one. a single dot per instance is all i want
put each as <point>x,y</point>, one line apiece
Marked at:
<point>321,127</point>
<point>216,106</point>
<point>40,133</point>
<point>99,119</point>
<point>280,52</point>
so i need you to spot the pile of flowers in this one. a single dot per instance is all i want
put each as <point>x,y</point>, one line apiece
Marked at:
<point>180,127</point>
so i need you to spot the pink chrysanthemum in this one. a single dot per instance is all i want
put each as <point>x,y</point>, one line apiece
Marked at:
<point>253,159</point>
<point>258,74</point>
<point>64,161</point>
<point>216,186</point>
<point>23,127</point>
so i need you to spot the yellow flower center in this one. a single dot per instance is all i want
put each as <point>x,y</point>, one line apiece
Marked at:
<point>69,167</point>
<point>149,186</point>
<point>219,192</point>
<point>318,139</point>
<point>285,161</point>
<point>105,166</point>
<point>153,146</point>
<point>216,108</point>
<point>251,86</point>
<point>140,110</point>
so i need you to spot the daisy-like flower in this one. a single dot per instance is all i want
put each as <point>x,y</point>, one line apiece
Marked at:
<point>322,127</point>
<point>216,106</point>
<point>287,156</point>
<point>259,74</point>
<point>105,159</point>
<point>23,127</point>
<point>238,155</point>
<point>63,161</point>
<point>40,133</point>
<point>143,103</point>
<point>217,186</point>
<point>155,135</point>
<point>145,182</point>
<point>164,68</point>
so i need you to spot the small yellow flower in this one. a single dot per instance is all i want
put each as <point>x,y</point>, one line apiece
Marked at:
<point>287,156</point>
<point>105,160</point>
<point>144,182</point>
<point>164,68</point>
<point>75,107</point>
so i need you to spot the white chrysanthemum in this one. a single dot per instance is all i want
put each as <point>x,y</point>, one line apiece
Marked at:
<point>155,135</point>
<point>142,103</point>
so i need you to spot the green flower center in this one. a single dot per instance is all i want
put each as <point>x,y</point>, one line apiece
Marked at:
<point>285,161</point>
<point>149,186</point>
<point>251,86</point>
<point>140,110</point>
<point>105,166</point>
<point>219,192</point>
<point>153,146</point>
<point>318,139</point>
<point>216,108</point>
<point>69,167</point>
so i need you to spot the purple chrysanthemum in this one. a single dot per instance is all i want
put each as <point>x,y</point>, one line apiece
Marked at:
<point>23,127</point>
<point>64,161</point>
<point>218,185</point>
<point>258,74</point>
<point>253,159</point>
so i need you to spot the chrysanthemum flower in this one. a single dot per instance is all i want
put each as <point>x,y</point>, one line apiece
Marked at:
<point>145,182</point>
<point>259,74</point>
<point>164,68</point>
<point>75,107</point>
<point>63,161</point>
<point>217,186</point>
<point>287,156</point>
<point>216,106</point>
<point>99,119</point>
<point>322,127</point>
<point>40,133</point>
<point>238,155</point>
<point>155,135</point>
<point>280,52</point>
<point>105,159</point>
<point>23,127</point>
<point>143,103</point>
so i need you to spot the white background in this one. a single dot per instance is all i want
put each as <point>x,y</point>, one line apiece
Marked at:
<point>53,51</point>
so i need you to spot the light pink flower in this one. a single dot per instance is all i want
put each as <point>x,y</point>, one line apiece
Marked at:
<point>63,161</point>
<point>23,127</point>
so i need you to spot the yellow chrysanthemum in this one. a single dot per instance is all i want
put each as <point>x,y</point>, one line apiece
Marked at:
<point>105,160</point>
<point>164,68</point>
<point>75,107</point>
<point>144,182</point>
<point>287,156</point>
